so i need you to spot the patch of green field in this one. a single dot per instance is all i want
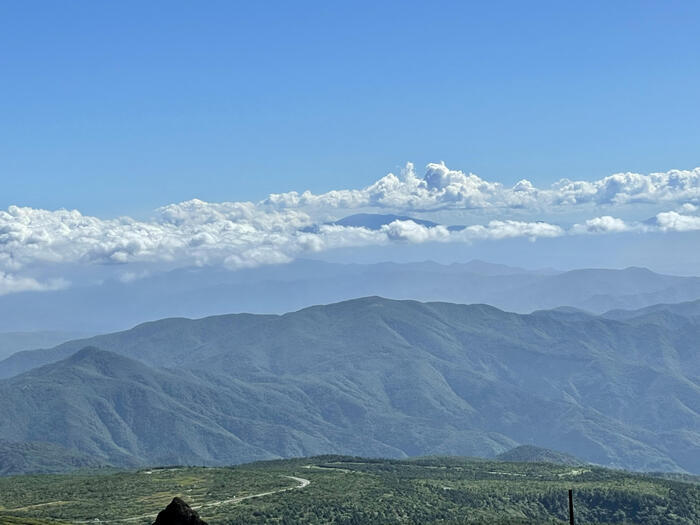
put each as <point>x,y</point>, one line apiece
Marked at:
<point>119,495</point>
<point>359,491</point>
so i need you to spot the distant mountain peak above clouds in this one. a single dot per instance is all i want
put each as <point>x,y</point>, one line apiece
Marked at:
<point>374,221</point>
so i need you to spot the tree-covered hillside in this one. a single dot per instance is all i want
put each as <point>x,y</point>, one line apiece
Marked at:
<point>30,457</point>
<point>371,377</point>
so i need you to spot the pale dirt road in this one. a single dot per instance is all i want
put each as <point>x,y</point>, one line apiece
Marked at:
<point>301,484</point>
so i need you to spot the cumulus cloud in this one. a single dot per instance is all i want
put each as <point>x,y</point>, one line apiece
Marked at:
<point>413,232</point>
<point>604,224</point>
<point>199,233</point>
<point>509,229</point>
<point>285,226</point>
<point>674,221</point>
<point>192,232</point>
<point>668,221</point>
<point>444,188</point>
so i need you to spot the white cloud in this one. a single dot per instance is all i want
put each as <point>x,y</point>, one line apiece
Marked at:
<point>509,229</point>
<point>199,233</point>
<point>443,188</point>
<point>284,226</point>
<point>13,283</point>
<point>674,221</point>
<point>415,233</point>
<point>192,232</point>
<point>604,224</point>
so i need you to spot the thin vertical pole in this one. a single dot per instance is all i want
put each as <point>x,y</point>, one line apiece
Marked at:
<point>571,507</point>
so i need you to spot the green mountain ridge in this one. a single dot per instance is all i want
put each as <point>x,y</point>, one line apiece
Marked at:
<point>372,377</point>
<point>532,454</point>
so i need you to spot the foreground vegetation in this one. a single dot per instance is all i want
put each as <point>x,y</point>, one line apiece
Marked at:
<point>347,490</point>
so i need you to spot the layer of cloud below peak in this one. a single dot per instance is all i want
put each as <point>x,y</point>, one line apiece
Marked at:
<point>285,226</point>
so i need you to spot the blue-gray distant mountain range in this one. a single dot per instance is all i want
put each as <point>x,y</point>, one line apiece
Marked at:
<point>368,377</point>
<point>199,292</point>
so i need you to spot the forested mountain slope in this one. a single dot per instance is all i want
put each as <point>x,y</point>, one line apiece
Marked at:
<point>369,376</point>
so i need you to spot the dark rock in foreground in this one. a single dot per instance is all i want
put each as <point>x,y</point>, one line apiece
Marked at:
<point>178,513</point>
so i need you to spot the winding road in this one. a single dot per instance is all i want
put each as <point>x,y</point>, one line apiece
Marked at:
<point>236,499</point>
<point>302,483</point>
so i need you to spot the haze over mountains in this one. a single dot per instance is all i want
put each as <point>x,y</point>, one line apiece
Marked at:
<point>373,377</point>
<point>198,292</point>
<point>12,342</point>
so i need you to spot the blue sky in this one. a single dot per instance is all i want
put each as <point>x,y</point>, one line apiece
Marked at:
<point>120,107</point>
<point>166,125</point>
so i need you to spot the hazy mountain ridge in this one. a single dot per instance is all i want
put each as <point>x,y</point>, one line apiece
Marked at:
<point>374,377</point>
<point>12,342</point>
<point>683,309</point>
<point>200,292</point>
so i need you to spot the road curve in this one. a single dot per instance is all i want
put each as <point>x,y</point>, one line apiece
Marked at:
<point>301,484</point>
